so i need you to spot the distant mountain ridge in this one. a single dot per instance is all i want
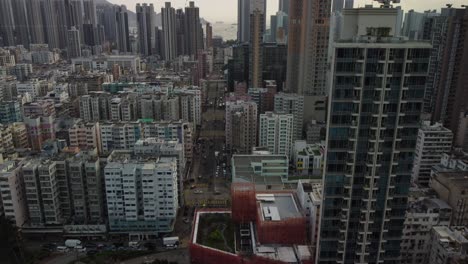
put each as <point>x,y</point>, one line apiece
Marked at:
<point>132,20</point>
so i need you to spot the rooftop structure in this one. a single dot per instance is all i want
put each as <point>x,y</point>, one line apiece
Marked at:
<point>269,228</point>
<point>265,171</point>
<point>448,243</point>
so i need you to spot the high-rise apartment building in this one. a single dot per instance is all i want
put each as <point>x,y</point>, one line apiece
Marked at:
<point>264,98</point>
<point>375,106</point>
<point>257,29</point>
<point>84,174</point>
<point>123,135</point>
<point>338,5</point>
<point>209,36</point>
<point>74,43</point>
<point>42,193</point>
<point>451,92</point>
<point>461,140</point>
<point>142,197</point>
<point>241,126</point>
<point>193,30</point>
<point>314,60</point>
<point>243,21</point>
<point>12,192</point>
<point>276,132</point>
<point>413,26</point>
<point>284,6</point>
<point>85,136</point>
<point>245,8</point>
<point>421,216</point>
<point>448,245</point>
<point>122,30</point>
<point>35,21</point>
<point>349,4</point>
<point>308,47</point>
<point>89,12</point>
<point>40,129</point>
<point>181,32</point>
<point>296,26</point>
<point>39,108</point>
<point>75,14</point>
<point>21,17</point>
<point>292,104</point>
<point>50,28</point>
<point>169,32</point>
<point>10,112</point>
<point>7,22</point>
<point>432,142</point>
<point>146,25</point>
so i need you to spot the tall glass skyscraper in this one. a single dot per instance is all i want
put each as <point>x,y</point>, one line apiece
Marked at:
<point>376,99</point>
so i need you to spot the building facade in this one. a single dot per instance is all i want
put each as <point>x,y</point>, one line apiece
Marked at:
<point>370,140</point>
<point>241,126</point>
<point>433,141</point>
<point>276,132</point>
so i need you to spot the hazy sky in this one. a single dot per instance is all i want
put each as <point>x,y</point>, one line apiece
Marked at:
<point>226,10</point>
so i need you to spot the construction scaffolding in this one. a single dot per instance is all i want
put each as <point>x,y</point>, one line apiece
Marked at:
<point>244,206</point>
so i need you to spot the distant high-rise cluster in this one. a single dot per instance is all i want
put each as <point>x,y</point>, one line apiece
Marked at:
<point>341,132</point>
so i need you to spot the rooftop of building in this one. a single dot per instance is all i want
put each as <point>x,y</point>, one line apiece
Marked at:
<point>381,42</point>
<point>452,238</point>
<point>422,206</point>
<point>238,238</point>
<point>128,156</point>
<point>314,188</point>
<point>247,168</point>
<point>8,166</point>
<point>437,127</point>
<point>277,206</point>
<point>458,179</point>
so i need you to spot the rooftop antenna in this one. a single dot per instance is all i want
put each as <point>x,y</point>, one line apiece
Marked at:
<point>387,3</point>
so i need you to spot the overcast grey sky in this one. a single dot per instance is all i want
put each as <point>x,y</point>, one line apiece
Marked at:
<point>226,10</point>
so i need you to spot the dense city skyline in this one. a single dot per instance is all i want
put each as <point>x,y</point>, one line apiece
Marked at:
<point>226,10</point>
<point>302,131</point>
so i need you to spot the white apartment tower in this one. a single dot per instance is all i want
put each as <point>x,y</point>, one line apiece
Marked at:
<point>276,133</point>
<point>433,141</point>
<point>288,103</point>
<point>141,196</point>
<point>13,197</point>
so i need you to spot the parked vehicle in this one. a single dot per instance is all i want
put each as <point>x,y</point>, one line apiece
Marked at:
<point>72,243</point>
<point>80,248</point>
<point>171,242</point>
<point>133,244</point>
<point>62,249</point>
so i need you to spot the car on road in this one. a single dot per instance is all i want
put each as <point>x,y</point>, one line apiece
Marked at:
<point>193,186</point>
<point>186,220</point>
<point>198,192</point>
